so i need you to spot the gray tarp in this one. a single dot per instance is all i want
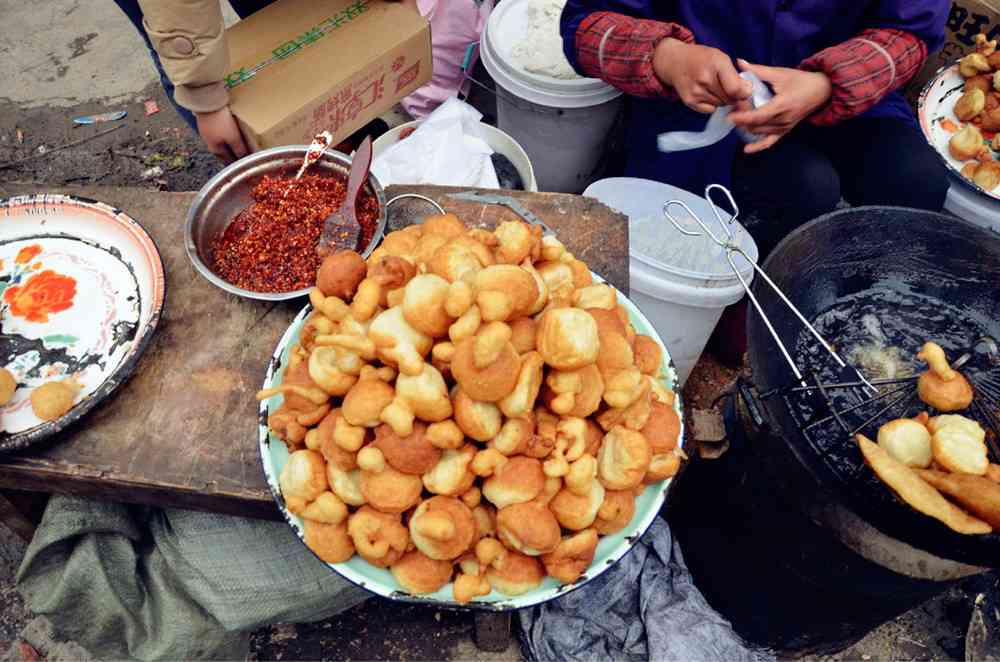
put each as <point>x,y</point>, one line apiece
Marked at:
<point>644,608</point>
<point>142,583</point>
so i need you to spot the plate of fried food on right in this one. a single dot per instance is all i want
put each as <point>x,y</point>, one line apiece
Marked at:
<point>959,113</point>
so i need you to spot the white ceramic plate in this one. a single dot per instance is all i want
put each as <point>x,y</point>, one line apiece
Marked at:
<point>610,548</point>
<point>81,290</point>
<point>936,104</point>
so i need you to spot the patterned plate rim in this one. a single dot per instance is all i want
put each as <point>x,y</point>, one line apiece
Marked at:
<point>126,368</point>
<point>534,597</point>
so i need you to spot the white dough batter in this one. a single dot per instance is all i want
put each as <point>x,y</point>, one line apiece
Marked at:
<point>540,49</point>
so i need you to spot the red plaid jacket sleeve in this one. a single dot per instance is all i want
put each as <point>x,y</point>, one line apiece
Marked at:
<point>864,70</point>
<point>618,49</point>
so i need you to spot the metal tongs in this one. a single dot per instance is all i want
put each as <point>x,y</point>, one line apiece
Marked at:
<point>728,244</point>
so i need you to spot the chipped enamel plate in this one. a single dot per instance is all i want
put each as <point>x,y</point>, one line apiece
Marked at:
<point>937,104</point>
<point>381,582</point>
<point>81,290</point>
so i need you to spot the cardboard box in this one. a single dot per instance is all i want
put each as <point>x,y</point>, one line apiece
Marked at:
<point>303,66</point>
<point>966,19</point>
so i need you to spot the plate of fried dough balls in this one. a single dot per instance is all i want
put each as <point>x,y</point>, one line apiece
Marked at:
<point>469,417</point>
<point>959,112</point>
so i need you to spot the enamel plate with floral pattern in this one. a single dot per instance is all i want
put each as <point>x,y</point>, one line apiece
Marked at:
<point>936,112</point>
<point>610,548</point>
<point>81,290</point>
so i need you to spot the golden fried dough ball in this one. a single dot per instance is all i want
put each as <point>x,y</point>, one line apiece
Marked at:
<point>327,508</point>
<point>479,420</point>
<point>983,82</point>
<point>7,386</point>
<point>364,403</point>
<point>510,282</point>
<point>303,478</point>
<point>398,343</point>
<point>443,528</point>
<point>970,104</point>
<point>959,444</point>
<point>576,512</point>
<point>528,528</point>
<point>663,428</point>
<point>623,459</point>
<point>973,64</point>
<point>567,338</point>
<point>581,274</point>
<point>624,387</point>
<point>523,333</point>
<point>428,246</point>
<point>966,144</point>
<point>418,574</point>
<point>491,381</point>
<point>445,435</point>
<point>596,296</point>
<point>340,273</point>
<point>521,401</point>
<point>447,225</point>
<point>345,484</point>
<point>572,557</point>
<point>391,491</point>
<point>908,441</point>
<point>662,466</point>
<point>378,537</point>
<point>514,435</point>
<point>424,305</point>
<point>574,392</point>
<point>469,587</point>
<point>616,512</point>
<point>452,476</point>
<point>518,481</point>
<point>940,386</point>
<point>412,454</point>
<point>330,542</point>
<point>543,290</point>
<point>454,261</point>
<point>517,241</point>
<point>558,279</point>
<point>54,399</point>
<point>424,396</point>
<point>987,175</point>
<point>636,415</point>
<point>399,243</point>
<point>324,372</point>
<point>648,355</point>
<point>517,575</point>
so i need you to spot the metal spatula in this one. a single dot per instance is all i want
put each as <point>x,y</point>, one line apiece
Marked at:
<point>342,229</point>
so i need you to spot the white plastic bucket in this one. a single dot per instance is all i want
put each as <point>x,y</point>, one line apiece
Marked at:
<point>499,141</point>
<point>563,125</point>
<point>973,206</point>
<point>684,303</point>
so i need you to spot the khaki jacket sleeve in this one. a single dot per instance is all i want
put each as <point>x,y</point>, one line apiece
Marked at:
<point>190,38</point>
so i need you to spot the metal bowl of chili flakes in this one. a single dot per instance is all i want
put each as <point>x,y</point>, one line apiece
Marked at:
<point>247,237</point>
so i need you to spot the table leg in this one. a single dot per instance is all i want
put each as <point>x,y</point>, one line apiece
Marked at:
<point>492,631</point>
<point>14,519</point>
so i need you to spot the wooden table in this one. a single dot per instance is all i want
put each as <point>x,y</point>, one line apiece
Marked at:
<point>183,432</point>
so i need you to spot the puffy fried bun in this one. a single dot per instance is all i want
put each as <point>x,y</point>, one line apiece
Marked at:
<point>528,528</point>
<point>513,281</point>
<point>424,305</point>
<point>945,396</point>
<point>517,575</point>
<point>517,241</point>
<point>378,537</point>
<point>663,428</point>
<point>412,454</point>
<point>578,512</point>
<point>520,480</point>
<point>340,274</point>
<point>572,557</point>
<point>959,444</point>
<point>522,335</point>
<point>443,528</point>
<point>451,476</point>
<point>616,512</point>
<point>623,459</point>
<point>488,383</point>
<point>453,261</point>
<point>581,391</point>
<point>908,441</point>
<point>8,384</point>
<point>330,542</point>
<point>448,225</point>
<point>391,491</point>
<point>477,419</point>
<point>648,355</point>
<point>419,574</point>
<point>397,342</point>
<point>303,477</point>
<point>966,144</point>
<point>364,403</point>
<point>567,338</point>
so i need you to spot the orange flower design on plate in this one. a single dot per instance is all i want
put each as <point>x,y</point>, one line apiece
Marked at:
<point>43,294</point>
<point>27,254</point>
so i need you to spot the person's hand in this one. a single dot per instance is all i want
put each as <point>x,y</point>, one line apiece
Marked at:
<point>797,95</point>
<point>222,134</point>
<point>703,77</point>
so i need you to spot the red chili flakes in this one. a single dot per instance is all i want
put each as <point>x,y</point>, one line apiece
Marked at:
<point>271,245</point>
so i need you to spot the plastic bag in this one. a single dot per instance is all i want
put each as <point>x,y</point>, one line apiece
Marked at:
<point>455,24</point>
<point>718,125</point>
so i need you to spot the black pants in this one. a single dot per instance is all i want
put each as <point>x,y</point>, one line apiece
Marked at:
<point>865,161</point>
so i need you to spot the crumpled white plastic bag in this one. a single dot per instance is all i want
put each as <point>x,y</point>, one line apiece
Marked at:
<point>447,149</point>
<point>718,126</point>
